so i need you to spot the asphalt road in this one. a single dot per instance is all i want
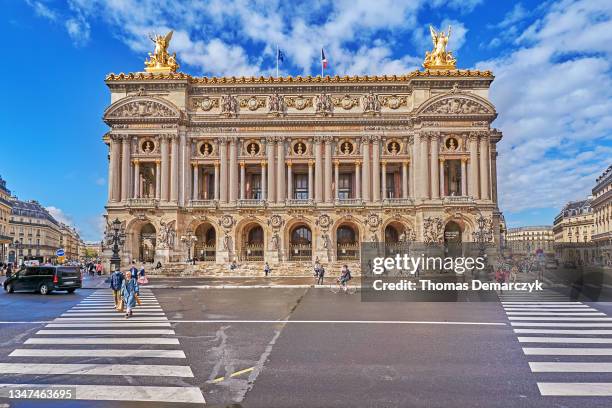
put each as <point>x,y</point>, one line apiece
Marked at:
<point>301,347</point>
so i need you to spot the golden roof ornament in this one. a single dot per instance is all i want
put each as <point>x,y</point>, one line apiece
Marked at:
<point>439,58</point>
<point>160,61</point>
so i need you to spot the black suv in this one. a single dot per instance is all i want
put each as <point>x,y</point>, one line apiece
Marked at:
<point>44,279</point>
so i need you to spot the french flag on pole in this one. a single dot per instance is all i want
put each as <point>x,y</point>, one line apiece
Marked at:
<point>323,59</point>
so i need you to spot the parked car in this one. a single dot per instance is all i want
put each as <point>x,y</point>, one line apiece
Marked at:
<point>44,279</point>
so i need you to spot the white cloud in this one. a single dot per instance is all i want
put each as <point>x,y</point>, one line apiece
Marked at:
<point>78,29</point>
<point>554,95</point>
<point>60,215</point>
<point>42,10</point>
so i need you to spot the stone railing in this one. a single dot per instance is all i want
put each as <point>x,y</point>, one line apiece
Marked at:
<point>398,201</point>
<point>251,202</point>
<point>350,202</point>
<point>143,202</point>
<point>298,202</point>
<point>203,203</point>
<point>458,200</point>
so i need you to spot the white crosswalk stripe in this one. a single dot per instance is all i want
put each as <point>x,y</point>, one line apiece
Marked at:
<point>548,323</point>
<point>80,337</point>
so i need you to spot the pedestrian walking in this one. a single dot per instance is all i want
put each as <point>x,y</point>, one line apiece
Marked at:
<point>142,279</point>
<point>233,265</point>
<point>316,269</point>
<point>320,275</point>
<point>267,269</point>
<point>129,293</point>
<point>134,270</point>
<point>99,268</point>
<point>115,284</point>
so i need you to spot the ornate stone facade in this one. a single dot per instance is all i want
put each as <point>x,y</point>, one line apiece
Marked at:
<point>294,169</point>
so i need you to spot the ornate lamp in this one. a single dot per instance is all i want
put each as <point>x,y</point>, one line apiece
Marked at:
<point>116,237</point>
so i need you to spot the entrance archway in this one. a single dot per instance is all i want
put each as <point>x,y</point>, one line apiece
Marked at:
<point>393,238</point>
<point>253,243</point>
<point>147,243</point>
<point>300,243</point>
<point>347,243</point>
<point>452,239</point>
<point>206,245</point>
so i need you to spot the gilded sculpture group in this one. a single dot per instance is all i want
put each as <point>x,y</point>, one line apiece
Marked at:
<point>438,58</point>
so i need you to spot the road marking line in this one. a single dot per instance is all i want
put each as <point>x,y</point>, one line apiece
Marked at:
<point>111,308</point>
<point>596,319</point>
<point>218,379</point>
<point>102,314</point>
<point>546,307</point>
<point>341,322</point>
<point>576,389</point>
<point>541,324</point>
<point>566,351</point>
<point>246,370</point>
<point>97,369</point>
<point>91,332</point>
<point>546,331</point>
<point>516,309</point>
<point>124,392</point>
<point>564,340</point>
<point>109,319</point>
<point>586,314</point>
<point>102,340</point>
<point>76,325</point>
<point>544,303</point>
<point>564,367</point>
<point>97,353</point>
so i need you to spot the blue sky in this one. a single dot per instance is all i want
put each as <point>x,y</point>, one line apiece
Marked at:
<point>552,90</point>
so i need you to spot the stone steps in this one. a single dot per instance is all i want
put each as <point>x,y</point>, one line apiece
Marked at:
<point>251,269</point>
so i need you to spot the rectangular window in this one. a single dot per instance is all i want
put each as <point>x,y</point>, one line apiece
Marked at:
<point>256,186</point>
<point>300,186</point>
<point>345,186</point>
<point>390,187</point>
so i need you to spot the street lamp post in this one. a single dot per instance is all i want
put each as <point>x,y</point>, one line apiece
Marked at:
<point>189,240</point>
<point>116,238</point>
<point>483,235</point>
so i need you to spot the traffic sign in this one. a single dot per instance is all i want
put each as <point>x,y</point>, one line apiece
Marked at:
<point>59,252</point>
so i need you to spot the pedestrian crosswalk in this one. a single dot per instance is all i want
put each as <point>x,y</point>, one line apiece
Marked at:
<point>568,344</point>
<point>92,349</point>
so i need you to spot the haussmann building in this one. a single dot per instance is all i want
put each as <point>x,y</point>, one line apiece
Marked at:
<point>294,169</point>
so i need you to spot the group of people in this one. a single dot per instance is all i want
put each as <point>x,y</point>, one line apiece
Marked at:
<point>6,269</point>
<point>94,268</point>
<point>319,274</point>
<point>125,288</point>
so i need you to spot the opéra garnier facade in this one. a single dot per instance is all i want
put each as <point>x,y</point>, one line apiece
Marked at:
<point>294,169</point>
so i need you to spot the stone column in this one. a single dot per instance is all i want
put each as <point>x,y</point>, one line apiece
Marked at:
<point>165,168</point>
<point>174,164</point>
<point>223,182</point>
<point>185,170</point>
<point>157,179</point>
<point>415,163</point>
<point>484,168</point>
<point>264,189</point>
<point>441,177</point>
<point>318,171</point>
<point>494,173</point>
<point>196,182</point>
<point>376,169</point>
<point>110,163</point>
<point>357,179</point>
<point>280,171</point>
<point>464,176</point>
<point>404,180</point>
<point>365,191</point>
<point>233,170</point>
<point>271,171</point>
<point>289,181</point>
<point>424,170</point>
<point>242,180</point>
<point>217,186</point>
<point>114,178</point>
<point>336,177</point>
<point>473,184</point>
<point>435,165</point>
<point>383,187</point>
<point>328,170</point>
<point>310,180</point>
<point>125,168</point>
<point>136,179</point>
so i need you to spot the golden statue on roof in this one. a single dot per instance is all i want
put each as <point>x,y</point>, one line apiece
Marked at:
<point>160,60</point>
<point>439,58</point>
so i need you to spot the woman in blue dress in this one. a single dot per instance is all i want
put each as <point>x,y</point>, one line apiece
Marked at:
<point>129,291</point>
